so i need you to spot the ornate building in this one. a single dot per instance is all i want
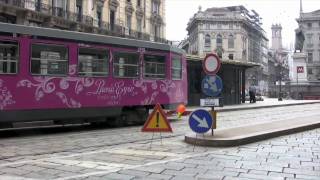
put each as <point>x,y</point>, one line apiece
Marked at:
<point>138,19</point>
<point>235,34</point>
<point>310,25</point>
<point>306,63</point>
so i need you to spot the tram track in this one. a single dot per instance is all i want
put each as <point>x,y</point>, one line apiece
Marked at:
<point>83,139</point>
<point>90,134</point>
<point>84,151</point>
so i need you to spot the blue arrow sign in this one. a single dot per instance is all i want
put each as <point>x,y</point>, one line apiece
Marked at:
<point>200,121</point>
<point>212,85</point>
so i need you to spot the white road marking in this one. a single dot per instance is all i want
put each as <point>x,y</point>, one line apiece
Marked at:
<point>110,150</point>
<point>87,164</point>
<point>133,166</point>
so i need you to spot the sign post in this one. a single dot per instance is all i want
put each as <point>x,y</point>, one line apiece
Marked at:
<point>300,69</point>
<point>200,122</point>
<point>211,85</point>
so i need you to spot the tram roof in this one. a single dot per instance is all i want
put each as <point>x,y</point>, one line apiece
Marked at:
<point>227,62</point>
<point>87,37</point>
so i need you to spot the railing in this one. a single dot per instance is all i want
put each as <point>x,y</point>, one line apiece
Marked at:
<point>104,27</point>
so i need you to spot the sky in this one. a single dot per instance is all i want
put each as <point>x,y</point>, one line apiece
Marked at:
<point>284,12</point>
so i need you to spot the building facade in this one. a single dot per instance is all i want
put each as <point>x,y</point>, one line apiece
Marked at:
<point>138,19</point>
<point>305,83</point>
<point>310,25</point>
<point>276,36</point>
<point>278,65</point>
<point>234,34</point>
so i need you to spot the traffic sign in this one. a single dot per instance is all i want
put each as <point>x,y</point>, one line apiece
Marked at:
<point>212,85</point>
<point>157,121</point>
<point>300,69</point>
<point>211,64</point>
<point>200,121</point>
<point>210,102</point>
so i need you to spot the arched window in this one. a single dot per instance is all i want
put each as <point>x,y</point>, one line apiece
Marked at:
<point>207,41</point>
<point>219,48</point>
<point>230,41</point>
<point>219,40</point>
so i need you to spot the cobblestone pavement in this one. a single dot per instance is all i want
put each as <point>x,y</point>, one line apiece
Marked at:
<point>126,153</point>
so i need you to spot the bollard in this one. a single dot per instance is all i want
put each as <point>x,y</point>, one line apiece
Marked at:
<point>214,118</point>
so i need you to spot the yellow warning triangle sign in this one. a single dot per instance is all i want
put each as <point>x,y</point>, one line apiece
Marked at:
<point>157,121</point>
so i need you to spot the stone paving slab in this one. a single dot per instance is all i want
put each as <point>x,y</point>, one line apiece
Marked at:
<point>199,163</point>
<point>126,154</point>
<point>253,132</point>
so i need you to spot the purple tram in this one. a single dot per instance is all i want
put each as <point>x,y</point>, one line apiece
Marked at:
<point>52,76</point>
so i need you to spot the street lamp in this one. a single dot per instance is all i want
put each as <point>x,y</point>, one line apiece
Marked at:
<point>287,85</point>
<point>280,73</point>
<point>280,63</point>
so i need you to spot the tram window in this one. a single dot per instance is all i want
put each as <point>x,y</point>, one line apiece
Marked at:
<point>154,66</point>
<point>9,55</point>
<point>93,62</point>
<point>126,65</point>
<point>49,59</point>
<point>176,68</point>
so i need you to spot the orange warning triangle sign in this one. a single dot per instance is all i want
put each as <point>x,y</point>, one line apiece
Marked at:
<point>157,121</point>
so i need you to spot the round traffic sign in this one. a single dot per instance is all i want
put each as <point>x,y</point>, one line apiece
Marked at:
<point>212,85</point>
<point>200,121</point>
<point>211,64</point>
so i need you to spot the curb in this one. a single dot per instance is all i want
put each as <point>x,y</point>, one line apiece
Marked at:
<point>187,112</point>
<point>212,141</point>
<point>266,106</point>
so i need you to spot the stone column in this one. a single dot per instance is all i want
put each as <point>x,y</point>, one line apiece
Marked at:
<point>243,85</point>
<point>299,67</point>
<point>300,71</point>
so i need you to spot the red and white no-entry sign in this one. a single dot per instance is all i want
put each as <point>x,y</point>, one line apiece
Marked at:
<point>211,64</point>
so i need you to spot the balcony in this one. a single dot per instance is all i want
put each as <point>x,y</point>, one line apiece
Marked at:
<point>73,21</point>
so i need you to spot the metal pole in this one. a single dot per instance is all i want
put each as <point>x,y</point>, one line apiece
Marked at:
<point>161,138</point>
<point>195,142</point>
<point>151,140</point>
<point>214,121</point>
<point>243,86</point>
<point>280,73</point>
<point>297,85</point>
